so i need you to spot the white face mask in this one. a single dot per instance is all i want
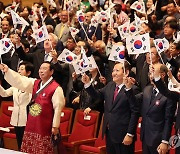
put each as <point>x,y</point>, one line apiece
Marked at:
<point>105,7</point>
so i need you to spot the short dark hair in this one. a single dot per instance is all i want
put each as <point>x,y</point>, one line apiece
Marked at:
<point>28,66</point>
<point>172,24</point>
<point>50,65</point>
<point>25,43</point>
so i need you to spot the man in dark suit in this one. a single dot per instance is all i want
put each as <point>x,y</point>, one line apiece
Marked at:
<point>157,113</point>
<point>169,94</point>
<point>120,115</point>
<point>90,29</point>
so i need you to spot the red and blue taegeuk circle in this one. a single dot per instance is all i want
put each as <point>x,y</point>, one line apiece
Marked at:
<point>138,44</point>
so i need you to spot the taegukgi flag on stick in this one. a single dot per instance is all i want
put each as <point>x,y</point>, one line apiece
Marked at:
<point>67,56</point>
<point>124,30</point>
<point>16,18</point>
<point>80,66</point>
<point>5,45</point>
<point>41,34</point>
<point>117,53</point>
<point>138,44</point>
<point>92,62</point>
<point>134,28</point>
<point>139,6</point>
<point>51,2</point>
<point>161,44</point>
<point>73,31</point>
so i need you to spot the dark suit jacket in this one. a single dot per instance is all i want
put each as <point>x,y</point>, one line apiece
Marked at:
<point>157,116</point>
<point>49,21</point>
<point>171,95</point>
<point>36,58</point>
<point>90,32</point>
<point>121,115</point>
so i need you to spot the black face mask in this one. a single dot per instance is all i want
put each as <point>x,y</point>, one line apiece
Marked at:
<point>52,11</point>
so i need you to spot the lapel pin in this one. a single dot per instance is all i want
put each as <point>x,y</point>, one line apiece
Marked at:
<point>43,94</point>
<point>157,102</point>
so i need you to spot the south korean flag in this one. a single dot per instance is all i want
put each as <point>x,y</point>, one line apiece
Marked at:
<point>67,56</point>
<point>124,30</point>
<point>117,53</point>
<point>161,44</point>
<point>138,44</point>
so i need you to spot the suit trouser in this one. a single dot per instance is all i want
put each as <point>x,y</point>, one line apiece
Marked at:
<point>19,135</point>
<point>117,148</point>
<point>149,149</point>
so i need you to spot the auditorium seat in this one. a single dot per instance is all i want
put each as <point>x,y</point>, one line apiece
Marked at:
<point>84,130</point>
<point>98,144</point>
<point>66,121</point>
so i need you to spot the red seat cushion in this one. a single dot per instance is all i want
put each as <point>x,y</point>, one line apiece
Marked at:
<point>65,121</point>
<point>83,129</point>
<point>89,148</point>
<point>9,135</point>
<point>100,142</point>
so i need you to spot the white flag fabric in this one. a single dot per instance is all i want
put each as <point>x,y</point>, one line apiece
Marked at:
<point>84,57</point>
<point>24,22</point>
<point>5,45</point>
<point>92,62</point>
<point>35,25</point>
<point>151,9</point>
<point>41,34</point>
<point>117,53</point>
<point>124,30</point>
<point>16,18</point>
<point>79,67</point>
<point>67,56</point>
<point>161,44</point>
<point>73,31</point>
<point>134,29</point>
<point>138,44</point>
<point>177,38</point>
<point>103,17</point>
<point>80,16</point>
<point>93,2</point>
<point>95,21</point>
<point>51,2</point>
<point>138,6</point>
<point>82,65</point>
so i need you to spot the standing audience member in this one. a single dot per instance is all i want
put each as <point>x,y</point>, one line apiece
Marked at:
<point>20,99</point>
<point>45,110</point>
<point>120,115</point>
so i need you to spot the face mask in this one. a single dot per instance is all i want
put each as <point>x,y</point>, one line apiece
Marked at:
<point>105,7</point>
